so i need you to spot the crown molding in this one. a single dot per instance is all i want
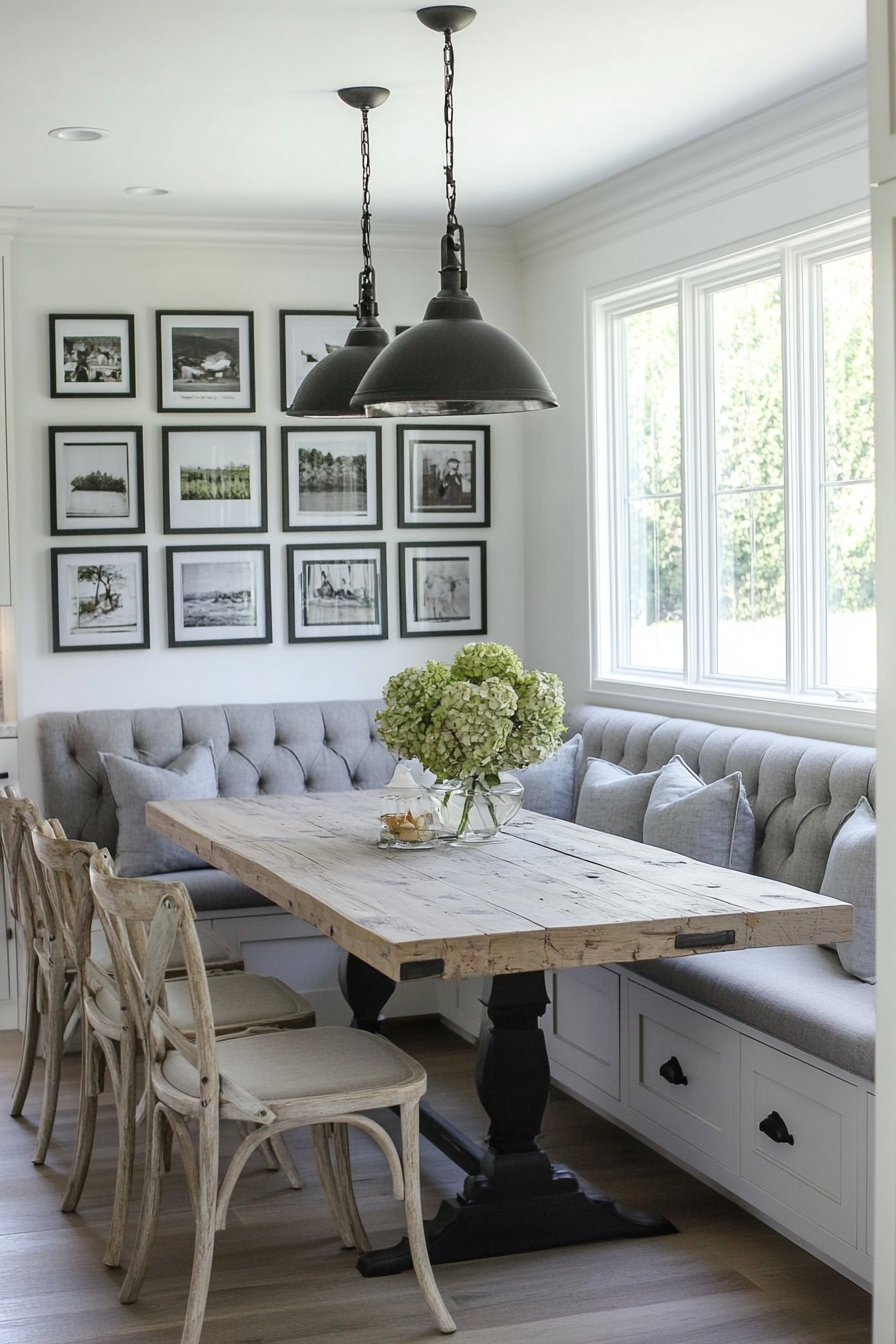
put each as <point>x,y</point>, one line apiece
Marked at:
<point>127,229</point>
<point>817,126</point>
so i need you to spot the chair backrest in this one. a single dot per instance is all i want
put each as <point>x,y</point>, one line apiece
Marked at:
<point>12,810</point>
<point>32,900</point>
<point>64,864</point>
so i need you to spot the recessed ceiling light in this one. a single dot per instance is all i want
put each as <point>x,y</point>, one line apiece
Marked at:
<point>78,133</point>
<point>146,191</point>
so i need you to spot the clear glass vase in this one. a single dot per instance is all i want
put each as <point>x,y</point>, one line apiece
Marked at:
<point>473,811</point>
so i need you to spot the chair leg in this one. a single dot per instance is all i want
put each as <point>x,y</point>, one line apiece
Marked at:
<point>346,1188</point>
<point>87,1108</point>
<point>126,1108</point>
<point>29,1037</point>
<point>204,1248</point>
<point>413,1208</point>
<point>286,1162</point>
<point>149,1207</point>
<point>321,1145</point>
<point>53,1031</point>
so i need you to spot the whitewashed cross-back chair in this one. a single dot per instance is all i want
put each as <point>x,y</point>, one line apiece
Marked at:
<point>274,1082</point>
<point>240,1002</point>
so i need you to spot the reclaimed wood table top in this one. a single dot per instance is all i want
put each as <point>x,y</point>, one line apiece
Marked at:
<point>545,895</point>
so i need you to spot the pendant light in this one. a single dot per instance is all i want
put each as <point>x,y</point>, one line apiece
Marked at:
<point>452,363</point>
<point>327,390</point>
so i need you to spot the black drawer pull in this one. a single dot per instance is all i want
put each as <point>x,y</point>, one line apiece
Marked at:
<point>776,1129</point>
<point>674,1073</point>
<point>4,774</point>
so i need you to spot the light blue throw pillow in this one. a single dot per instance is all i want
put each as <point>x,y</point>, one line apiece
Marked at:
<point>850,876</point>
<point>550,786</point>
<point>613,800</point>
<point>709,822</point>
<point>141,852</point>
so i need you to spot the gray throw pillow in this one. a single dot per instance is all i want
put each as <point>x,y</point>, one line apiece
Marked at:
<point>550,786</point>
<point>614,800</point>
<point>141,852</point>
<point>709,822</point>
<point>850,876</point>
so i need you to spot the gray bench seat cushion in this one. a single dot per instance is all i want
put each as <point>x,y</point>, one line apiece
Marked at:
<point>210,889</point>
<point>800,994</point>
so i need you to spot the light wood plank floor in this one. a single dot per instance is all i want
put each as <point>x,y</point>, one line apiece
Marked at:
<point>280,1276</point>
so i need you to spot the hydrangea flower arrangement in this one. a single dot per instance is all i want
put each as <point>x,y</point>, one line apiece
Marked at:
<point>479,715</point>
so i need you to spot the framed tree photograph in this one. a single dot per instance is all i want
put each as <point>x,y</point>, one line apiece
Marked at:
<point>332,478</point>
<point>100,599</point>
<point>92,355</point>
<point>96,480</point>
<point>307,337</point>
<point>337,592</point>
<point>214,480</point>
<point>443,476</point>
<point>205,361</point>
<point>442,588</point>
<point>219,595</point>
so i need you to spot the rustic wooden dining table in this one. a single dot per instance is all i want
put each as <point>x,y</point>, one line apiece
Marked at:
<point>545,895</point>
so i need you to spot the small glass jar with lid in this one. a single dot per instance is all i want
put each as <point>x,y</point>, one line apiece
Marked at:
<point>409,814</point>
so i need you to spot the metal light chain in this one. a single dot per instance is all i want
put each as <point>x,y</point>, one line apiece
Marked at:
<point>450,184</point>
<point>365,195</point>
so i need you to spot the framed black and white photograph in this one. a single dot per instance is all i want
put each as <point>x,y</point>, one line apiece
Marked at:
<point>305,339</point>
<point>205,361</point>
<point>92,355</point>
<point>214,480</point>
<point>96,480</point>
<point>442,588</point>
<point>443,476</point>
<point>332,478</point>
<point>100,599</point>
<point>219,595</point>
<point>337,592</point>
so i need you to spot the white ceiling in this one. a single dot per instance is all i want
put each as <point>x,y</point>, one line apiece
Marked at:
<point>230,104</point>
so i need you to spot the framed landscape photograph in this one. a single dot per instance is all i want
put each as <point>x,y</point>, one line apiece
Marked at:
<point>332,478</point>
<point>305,339</point>
<point>92,355</point>
<point>205,361</point>
<point>96,480</point>
<point>214,480</point>
<point>337,592</point>
<point>219,595</point>
<point>442,588</point>
<point>100,599</point>
<point>443,476</point>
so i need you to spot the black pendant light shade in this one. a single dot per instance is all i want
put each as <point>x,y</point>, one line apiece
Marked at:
<point>452,363</point>
<point>328,388</point>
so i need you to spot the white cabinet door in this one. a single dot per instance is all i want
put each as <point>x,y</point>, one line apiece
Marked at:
<point>585,1025</point>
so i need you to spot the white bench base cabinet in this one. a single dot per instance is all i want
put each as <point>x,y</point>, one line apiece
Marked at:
<point>608,1032</point>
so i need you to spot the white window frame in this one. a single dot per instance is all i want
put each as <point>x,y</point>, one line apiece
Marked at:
<point>802,695</point>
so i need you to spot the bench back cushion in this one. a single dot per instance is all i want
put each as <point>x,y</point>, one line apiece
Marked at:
<point>800,790</point>
<point>326,746</point>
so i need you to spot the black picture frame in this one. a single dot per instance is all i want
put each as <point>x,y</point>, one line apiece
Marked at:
<point>444,476</point>
<point>202,515</point>
<point>363,510</point>
<point>351,570</point>
<point>121,586</point>
<point>308,332</point>
<point>209,345</point>
<point>113,456</point>
<point>209,607</point>
<point>442,588</point>
<point>92,355</point>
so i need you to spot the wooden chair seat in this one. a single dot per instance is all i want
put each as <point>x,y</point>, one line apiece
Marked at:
<point>240,1002</point>
<point>217,953</point>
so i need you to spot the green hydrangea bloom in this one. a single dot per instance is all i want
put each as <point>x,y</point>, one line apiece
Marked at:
<point>476,662</point>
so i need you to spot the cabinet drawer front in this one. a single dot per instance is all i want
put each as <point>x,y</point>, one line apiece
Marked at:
<point>815,1174</point>
<point>669,1043</point>
<point>585,1035</point>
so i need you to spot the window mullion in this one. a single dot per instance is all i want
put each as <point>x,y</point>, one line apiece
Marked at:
<point>697,483</point>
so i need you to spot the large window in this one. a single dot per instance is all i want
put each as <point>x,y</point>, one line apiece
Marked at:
<point>736,476</point>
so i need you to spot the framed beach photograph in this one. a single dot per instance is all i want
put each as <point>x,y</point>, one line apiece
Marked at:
<point>96,480</point>
<point>92,355</point>
<point>100,599</point>
<point>442,589</point>
<point>443,476</point>
<point>305,339</point>
<point>332,478</point>
<point>219,595</point>
<point>214,480</point>
<point>337,592</point>
<point>205,361</point>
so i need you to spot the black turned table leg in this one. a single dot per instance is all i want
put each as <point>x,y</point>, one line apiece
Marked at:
<point>517,1201</point>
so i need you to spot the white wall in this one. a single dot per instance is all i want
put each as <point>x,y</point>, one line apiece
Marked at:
<point>801,163</point>
<point>66,265</point>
